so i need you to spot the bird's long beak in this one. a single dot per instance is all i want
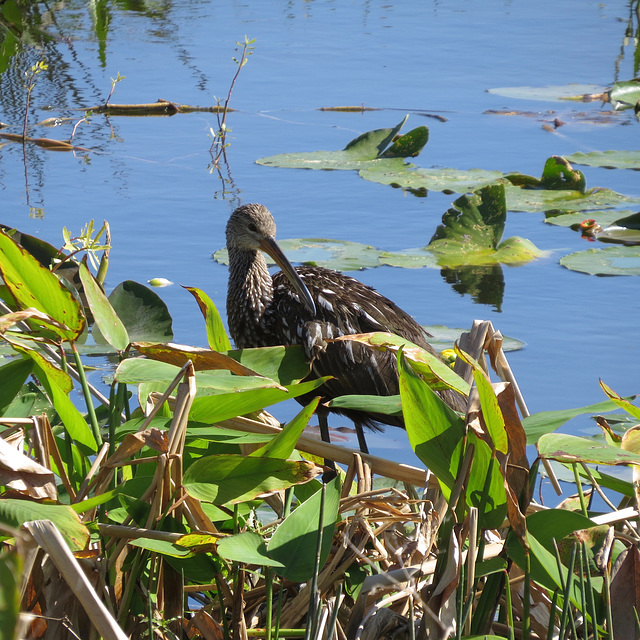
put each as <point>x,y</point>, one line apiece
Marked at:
<point>271,248</point>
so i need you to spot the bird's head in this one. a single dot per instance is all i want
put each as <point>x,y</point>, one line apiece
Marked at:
<point>249,226</point>
<point>252,227</point>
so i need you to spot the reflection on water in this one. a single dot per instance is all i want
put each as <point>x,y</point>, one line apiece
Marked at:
<point>484,284</point>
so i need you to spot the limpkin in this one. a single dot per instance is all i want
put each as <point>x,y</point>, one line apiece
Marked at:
<point>308,306</point>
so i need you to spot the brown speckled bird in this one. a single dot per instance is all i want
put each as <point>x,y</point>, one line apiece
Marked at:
<point>308,306</point>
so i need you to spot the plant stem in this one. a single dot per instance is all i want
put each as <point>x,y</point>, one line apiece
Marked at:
<point>268,581</point>
<point>583,503</point>
<point>87,395</point>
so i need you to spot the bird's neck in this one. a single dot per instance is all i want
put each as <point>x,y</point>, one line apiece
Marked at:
<point>250,291</point>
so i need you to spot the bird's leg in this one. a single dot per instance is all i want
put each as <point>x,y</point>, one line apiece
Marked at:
<point>323,423</point>
<point>362,441</point>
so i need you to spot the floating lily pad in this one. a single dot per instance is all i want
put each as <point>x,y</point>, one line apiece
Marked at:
<point>612,261</point>
<point>340,255</point>
<point>608,159</point>
<point>549,93</point>
<point>620,227</point>
<point>443,337</point>
<point>616,234</point>
<point>625,95</point>
<point>438,179</point>
<point>537,200</point>
<point>573,219</point>
<point>470,235</point>
<point>471,230</point>
<point>379,147</point>
<point>416,258</point>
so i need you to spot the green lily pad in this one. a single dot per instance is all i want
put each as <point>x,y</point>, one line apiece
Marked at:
<point>379,146</point>
<point>558,173</point>
<point>438,179</point>
<point>612,261</point>
<point>608,159</point>
<point>340,255</point>
<point>550,93</point>
<point>625,95</point>
<point>471,230</point>
<point>538,200</point>
<point>619,235</point>
<point>443,337</point>
<point>335,254</point>
<point>573,219</point>
<point>416,258</point>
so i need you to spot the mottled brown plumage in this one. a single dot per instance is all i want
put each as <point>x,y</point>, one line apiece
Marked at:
<point>308,306</point>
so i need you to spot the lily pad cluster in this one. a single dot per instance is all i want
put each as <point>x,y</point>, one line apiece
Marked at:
<point>467,245</point>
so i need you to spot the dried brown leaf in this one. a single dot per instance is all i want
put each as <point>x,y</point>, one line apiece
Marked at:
<point>24,475</point>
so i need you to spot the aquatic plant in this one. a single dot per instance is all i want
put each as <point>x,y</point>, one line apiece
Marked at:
<point>194,511</point>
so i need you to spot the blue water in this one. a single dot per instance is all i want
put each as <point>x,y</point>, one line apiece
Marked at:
<point>150,177</point>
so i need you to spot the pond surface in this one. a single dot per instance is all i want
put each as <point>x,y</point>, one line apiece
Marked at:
<point>152,178</point>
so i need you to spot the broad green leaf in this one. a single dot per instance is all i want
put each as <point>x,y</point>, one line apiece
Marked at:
<point>623,403</point>
<point>372,144</point>
<point>283,444</point>
<point>485,487</point>
<point>32,285</point>
<point>542,529</point>
<point>228,479</point>
<point>572,91</point>
<point>294,542</point>
<point>610,261</point>
<point>365,150</point>
<point>537,424</point>
<point>12,376</point>
<point>408,145</point>
<point>607,481</point>
<point>477,219</point>
<point>62,379</point>
<point>573,219</point>
<point>472,228</point>
<point>340,255</point>
<point>435,431</point>
<point>494,420</point>
<point>202,359</point>
<point>139,370</point>
<point>46,254</point>
<point>105,317</point>
<point>618,235</point>
<point>625,95</point>
<point>566,448</point>
<point>161,546</point>
<point>387,405</point>
<point>538,200</point>
<point>621,159</point>
<point>23,405</point>
<point>248,548</point>
<point>74,423</point>
<point>212,409</point>
<point>558,174</point>
<point>287,365</point>
<point>415,258</point>
<point>201,568</point>
<point>11,566</point>
<point>142,311</point>
<point>14,513</point>
<point>421,180</point>
<point>216,334</point>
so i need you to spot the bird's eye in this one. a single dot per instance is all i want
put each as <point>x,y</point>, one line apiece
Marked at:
<point>252,227</point>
